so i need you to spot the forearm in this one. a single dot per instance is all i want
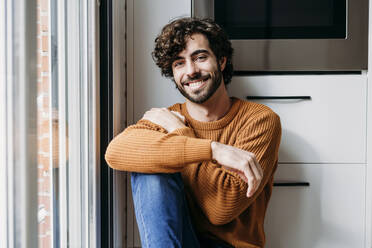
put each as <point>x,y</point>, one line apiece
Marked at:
<point>221,194</point>
<point>150,151</point>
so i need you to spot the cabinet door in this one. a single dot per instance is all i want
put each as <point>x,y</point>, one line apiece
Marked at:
<point>330,127</point>
<point>329,213</point>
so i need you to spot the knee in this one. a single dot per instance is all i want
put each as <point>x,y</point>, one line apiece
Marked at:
<point>156,182</point>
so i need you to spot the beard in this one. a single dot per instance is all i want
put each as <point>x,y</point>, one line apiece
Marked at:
<point>204,94</point>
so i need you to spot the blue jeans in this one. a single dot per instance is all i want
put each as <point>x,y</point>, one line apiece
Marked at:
<point>162,214</point>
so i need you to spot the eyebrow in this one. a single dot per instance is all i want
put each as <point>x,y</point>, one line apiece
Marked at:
<point>196,52</point>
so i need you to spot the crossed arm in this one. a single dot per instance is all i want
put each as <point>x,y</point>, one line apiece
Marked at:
<point>161,143</point>
<point>137,154</point>
<point>242,162</point>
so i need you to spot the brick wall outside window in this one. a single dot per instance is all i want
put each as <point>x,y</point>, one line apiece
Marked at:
<point>44,170</point>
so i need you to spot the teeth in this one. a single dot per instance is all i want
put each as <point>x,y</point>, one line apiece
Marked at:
<point>196,84</point>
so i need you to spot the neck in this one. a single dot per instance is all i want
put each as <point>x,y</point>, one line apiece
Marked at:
<point>213,109</point>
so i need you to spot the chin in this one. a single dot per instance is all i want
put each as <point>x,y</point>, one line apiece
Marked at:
<point>199,99</point>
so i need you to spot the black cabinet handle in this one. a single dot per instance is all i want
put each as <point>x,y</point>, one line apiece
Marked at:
<point>291,184</point>
<point>278,97</point>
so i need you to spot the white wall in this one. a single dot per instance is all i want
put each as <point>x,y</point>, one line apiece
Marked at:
<point>149,86</point>
<point>146,88</point>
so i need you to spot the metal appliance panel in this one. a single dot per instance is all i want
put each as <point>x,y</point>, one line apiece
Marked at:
<point>350,54</point>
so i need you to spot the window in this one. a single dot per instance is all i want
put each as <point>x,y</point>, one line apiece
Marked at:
<point>49,118</point>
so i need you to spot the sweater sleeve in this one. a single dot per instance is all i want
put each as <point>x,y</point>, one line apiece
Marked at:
<point>220,193</point>
<point>147,148</point>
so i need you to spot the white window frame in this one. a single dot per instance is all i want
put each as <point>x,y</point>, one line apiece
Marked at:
<point>79,154</point>
<point>78,90</point>
<point>18,143</point>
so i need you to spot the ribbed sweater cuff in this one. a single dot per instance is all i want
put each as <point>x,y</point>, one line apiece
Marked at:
<point>197,148</point>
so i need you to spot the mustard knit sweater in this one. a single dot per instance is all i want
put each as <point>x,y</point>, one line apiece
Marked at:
<point>217,197</point>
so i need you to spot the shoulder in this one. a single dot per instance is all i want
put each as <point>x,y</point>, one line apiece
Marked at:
<point>175,107</point>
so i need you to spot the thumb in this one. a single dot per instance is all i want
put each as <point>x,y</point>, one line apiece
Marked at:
<point>181,117</point>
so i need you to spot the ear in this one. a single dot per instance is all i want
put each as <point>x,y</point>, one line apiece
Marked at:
<point>223,63</point>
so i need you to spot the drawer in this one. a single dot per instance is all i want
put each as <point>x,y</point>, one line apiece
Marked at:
<point>328,128</point>
<point>329,213</point>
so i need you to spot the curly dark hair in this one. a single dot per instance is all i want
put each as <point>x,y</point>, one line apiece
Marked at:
<point>172,40</point>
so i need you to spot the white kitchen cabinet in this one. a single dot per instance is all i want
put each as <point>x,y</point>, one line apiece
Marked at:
<point>329,213</point>
<point>328,128</point>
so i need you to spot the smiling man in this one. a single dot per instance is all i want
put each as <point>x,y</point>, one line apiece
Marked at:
<point>196,71</point>
<point>202,171</point>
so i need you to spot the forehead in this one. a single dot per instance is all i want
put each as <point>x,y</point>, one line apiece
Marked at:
<point>195,42</point>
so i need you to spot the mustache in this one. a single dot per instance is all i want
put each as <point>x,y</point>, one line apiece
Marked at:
<point>197,77</point>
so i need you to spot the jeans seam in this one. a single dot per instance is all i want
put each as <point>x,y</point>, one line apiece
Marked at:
<point>142,218</point>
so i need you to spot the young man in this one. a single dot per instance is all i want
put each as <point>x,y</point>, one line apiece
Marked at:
<point>202,170</point>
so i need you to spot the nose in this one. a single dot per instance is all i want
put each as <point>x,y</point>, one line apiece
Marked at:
<point>191,69</point>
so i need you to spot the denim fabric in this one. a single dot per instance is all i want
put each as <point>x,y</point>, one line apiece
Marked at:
<point>161,211</point>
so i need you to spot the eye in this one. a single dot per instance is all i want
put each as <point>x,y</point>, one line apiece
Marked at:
<point>177,63</point>
<point>201,58</point>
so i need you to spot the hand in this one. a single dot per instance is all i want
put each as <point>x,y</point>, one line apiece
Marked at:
<point>169,120</point>
<point>240,161</point>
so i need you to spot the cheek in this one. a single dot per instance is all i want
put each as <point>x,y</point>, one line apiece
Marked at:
<point>179,76</point>
<point>175,75</point>
<point>210,67</point>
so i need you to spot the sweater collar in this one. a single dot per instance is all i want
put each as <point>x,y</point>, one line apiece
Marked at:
<point>212,125</point>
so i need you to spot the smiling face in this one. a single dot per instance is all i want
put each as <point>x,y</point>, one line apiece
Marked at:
<point>196,72</point>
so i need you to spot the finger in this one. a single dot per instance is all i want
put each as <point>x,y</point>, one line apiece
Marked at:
<point>260,170</point>
<point>248,173</point>
<point>145,115</point>
<point>257,175</point>
<point>164,110</point>
<point>179,115</point>
<point>155,110</point>
<point>256,168</point>
<point>240,173</point>
<point>242,176</point>
<point>149,115</point>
